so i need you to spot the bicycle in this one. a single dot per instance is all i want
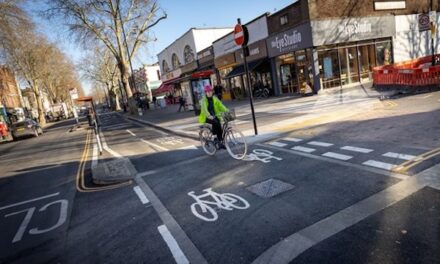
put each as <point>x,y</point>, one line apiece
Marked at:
<point>233,139</point>
<point>226,201</point>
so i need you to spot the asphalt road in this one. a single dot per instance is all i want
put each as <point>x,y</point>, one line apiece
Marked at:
<point>325,194</point>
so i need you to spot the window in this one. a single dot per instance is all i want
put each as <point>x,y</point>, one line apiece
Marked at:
<point>284,19</point>
<point>165,66</point>
<point>175,61</point>
<point>158,74</point>
<point>188,54</point>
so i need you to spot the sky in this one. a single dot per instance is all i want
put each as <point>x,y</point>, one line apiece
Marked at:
<point>181,16</point>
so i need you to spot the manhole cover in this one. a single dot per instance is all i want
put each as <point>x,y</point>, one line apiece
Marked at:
<point>270,188</point>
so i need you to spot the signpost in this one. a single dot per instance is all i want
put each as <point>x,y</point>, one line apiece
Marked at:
<point>241,37</point>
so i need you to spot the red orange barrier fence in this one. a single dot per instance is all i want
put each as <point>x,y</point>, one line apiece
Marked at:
<point>417,72</point>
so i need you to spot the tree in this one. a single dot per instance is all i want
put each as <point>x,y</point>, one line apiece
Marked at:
<point>101,68</point>
<point>106,21</point>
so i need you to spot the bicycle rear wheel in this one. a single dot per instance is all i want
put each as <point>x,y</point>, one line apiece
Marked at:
<point>207,141</point>
<point>235,143</point>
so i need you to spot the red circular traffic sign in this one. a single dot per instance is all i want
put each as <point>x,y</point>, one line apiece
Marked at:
<point>239,35</point>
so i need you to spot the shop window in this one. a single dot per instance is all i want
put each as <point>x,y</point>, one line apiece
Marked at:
<point>284,19</point>
<point>383,53</point>
<point>329,68</point>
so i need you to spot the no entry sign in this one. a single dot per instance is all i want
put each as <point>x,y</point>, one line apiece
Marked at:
<point>424,22</point>
<point>240,35</point>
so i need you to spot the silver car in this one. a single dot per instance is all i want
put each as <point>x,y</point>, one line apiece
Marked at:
<point>26,128</point>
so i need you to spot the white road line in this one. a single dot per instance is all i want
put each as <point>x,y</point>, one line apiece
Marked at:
<point>303,149</point>
<point>379,164</point>
<point>293,139</point>
<point>321,144</point>
<point>116,126</point>
<point>141,195</point>
<point>154,145</point>
<point>95,154</point>
<point>178,255</point>
<point>399,156</point>
<point>337,156</point>
<point>277,144</point>
<point>106,147</point>
<point>29,201</point>
<point>131,133</point>
<point>356,149</point>
<point>188,147</point>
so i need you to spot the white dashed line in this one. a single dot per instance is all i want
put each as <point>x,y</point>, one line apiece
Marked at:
<point>293,139</point>
<point>154,145</point>
<point>380,165</point>
<point>188,147</point>
<point>337,156</point>
<point>131,133</point>
<point>399,156</point>
<point>141,195</point>
<point>277,144</point>
<point>303,149</point>
<point>321,144</point>
<point>178,255</point>
<point>356,149</point>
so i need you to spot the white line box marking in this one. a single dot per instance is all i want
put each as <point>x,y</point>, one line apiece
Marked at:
<point>380,165</point>
<point>277,144</point>
<point>399,156</point>
<point>178,255</point>
<point>141,195</point>
<point>292,139</point>
<point>337,156</point>
<point>131,133</point>
<point>356,149</point>
<point>303,149</point>
<point>321,144</point>
<point>188,147</point>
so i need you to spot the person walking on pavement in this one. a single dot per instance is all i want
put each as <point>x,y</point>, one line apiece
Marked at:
<point>154,102</point>
<point>211,109</point>
<point>181,103</point>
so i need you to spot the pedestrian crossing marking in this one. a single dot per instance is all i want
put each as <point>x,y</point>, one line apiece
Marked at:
<point>321,144</point>
<point>303,149</point>
<point>399,156</point>
<point>293,139</point>
<point>337,156</point>
<point>356,149</point>
<point>277,144</point>
<point>379,164</point>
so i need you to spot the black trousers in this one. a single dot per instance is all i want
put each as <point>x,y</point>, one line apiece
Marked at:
<point>216,128</point>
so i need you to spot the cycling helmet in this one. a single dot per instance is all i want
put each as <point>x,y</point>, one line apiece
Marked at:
<point>208,88</point>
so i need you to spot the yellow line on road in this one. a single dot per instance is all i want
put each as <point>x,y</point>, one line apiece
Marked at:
<point>404,167</point>
<point>80,180</point>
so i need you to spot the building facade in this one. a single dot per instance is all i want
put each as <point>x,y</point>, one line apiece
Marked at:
<point>10,96</point>
<point>148,78</point>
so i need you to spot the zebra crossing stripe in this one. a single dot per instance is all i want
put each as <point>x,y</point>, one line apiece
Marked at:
<point>337,156</point>
<point>321,144</point>
<point>277,144</point>
<point>399,156</point>
<point>356,149</point>
<point>379,164</point>
<point>293,139</point>
<point>303,149</point>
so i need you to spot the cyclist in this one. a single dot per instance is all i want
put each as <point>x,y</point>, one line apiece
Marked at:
<point>211,109</point>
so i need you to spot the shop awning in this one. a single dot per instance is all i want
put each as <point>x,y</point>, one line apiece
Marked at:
<point>164,88</point>
<point>239,70</point>
<point>202,74</point>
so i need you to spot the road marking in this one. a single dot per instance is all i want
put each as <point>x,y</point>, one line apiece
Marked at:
<point>303,149</point>
<point>262,155</point>
<point>94,154</point>
<point>321,144</point>
<point>379,164</point>
<point>109,150</point>
<point>154,145</point>
<point>356,149</point>
<point>131,133</point>
<point>29,201</point>
<point>399,156</point>
<point>178,255</point>
<point>293,139</point>
<point>188,147</point>
<point>404,167</point>
<point>115,126</point>
<point>337,156</point>
<point>277,144</point>
<point>141,195</point>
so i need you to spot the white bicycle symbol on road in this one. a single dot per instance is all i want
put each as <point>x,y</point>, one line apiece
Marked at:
<point>262,155</point>
<point>226,201</point>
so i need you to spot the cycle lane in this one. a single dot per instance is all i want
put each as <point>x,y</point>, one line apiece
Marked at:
<point>312,189</point>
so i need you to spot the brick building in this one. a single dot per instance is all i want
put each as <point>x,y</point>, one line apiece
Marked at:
<point>10,96</point>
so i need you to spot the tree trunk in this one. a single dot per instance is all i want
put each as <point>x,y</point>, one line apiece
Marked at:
<point>123,68</point>
<point>118,106</point>
<point>41,118</point>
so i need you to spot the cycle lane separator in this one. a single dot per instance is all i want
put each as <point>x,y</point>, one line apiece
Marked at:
<point>177,253</point>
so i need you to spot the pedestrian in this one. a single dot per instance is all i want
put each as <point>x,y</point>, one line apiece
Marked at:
<point>211,109</point>
<point>218,90</point>
<point>182,103</point>
<point>154,102</point>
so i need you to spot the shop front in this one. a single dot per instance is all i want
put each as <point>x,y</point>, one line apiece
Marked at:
<point>291,56</point>
<point>349,49</point>
<point>225,64</point>
<point>259,70</point>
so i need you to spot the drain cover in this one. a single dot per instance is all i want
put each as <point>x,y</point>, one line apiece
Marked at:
<point>270,188</point>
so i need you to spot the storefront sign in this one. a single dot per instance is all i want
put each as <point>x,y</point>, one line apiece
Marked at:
<point>206,57</point>
<point>225,60</point>
<point>352,29</point>
<point>256,51</point>
<point>171,75</point>
<point>290,40</point>
<point>189,67</point>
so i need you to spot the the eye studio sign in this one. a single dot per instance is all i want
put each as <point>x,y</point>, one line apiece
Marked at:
<point>290,40</point>
<point>355,28</point>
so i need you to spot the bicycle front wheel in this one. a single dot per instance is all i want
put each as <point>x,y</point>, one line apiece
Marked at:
<point>206,139</point>
<point>235,143</point>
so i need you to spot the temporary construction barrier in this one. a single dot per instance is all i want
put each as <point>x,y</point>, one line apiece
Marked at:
<point>414,73</point>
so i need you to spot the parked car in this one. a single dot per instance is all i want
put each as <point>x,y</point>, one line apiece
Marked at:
<point>26,128</point>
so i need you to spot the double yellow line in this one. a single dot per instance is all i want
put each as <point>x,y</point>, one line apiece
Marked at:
<point>391,103</point>
<point>80,180</point>
<point>404,167</point>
